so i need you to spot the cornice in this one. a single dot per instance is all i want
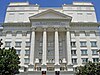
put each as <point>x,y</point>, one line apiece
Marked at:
<point>87,24</point>
<point>17,24</point>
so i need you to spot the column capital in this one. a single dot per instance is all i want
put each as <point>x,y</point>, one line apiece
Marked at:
<point>67,28</point>
<point>33,28</point>
<point>45,28</point>
<point>56,28</point>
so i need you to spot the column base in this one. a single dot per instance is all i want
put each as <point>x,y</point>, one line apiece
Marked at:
<point>57,67</point>
<point>21,69</point>
<point>70,67</point>
<point>30,67</point>
<point>44,67</point>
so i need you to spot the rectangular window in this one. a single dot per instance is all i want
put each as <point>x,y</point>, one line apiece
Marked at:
<point>82,34</point>
<point>73,44</point>
<point>89,13</point>
<point>84,60</point>
<point>21,13</point>
<point>60,43</point>
<point>27,52</point>
<point>27,44</point>
<point>18,44</point>
<point>41,43</point>
<point>7,43</point>
<point>95,60</point>
<point>11,14</point>
<point>92,35</point>
<point>79,13</point>
<point>73,52</point>
<point>83,44</point>
<point>93,44</point>
<point>26,60</point>
<point>18,52</point>
<point>84,52</point>
<point>94,52</point>
<point>74,60</point>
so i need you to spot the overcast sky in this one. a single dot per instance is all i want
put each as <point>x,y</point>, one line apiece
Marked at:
<point>44,3</point>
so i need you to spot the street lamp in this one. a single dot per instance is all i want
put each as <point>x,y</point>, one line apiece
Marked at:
<point>99,54</point>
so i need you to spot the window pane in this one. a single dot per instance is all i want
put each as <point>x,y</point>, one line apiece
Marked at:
<point>8,43</point>
<point>84,52</point>
<point>93,44</point>
<point>84,60</point>
<point>83,44</point>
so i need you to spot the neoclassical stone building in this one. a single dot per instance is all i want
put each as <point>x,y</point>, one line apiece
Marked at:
<point>51,40</point>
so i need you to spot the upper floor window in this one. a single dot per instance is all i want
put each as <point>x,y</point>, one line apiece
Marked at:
<point>74,60</point>
<point>73,52</point>
<point>92,34</point>
<point>93,44</point>
<point>94,52</point>
<point>26,60</point>
<point>27,52</point>
<point>73,44</point>
<point>41,43</point>
<point>83,44</point>
<point>11,14</point>
<point>27,44</point>
<point>84,60</point>
<point>84,52</point>
<point>21,13</point>
<point>82,34</point>
<point>7,43</point>
<point>18,52</point>
<point>95,60</point>
<point>18,44</point>
<point>60,43</point>
<point>79,13</point>
<point>72,34</point>
<point>89,13</point>
<point>78,8</point>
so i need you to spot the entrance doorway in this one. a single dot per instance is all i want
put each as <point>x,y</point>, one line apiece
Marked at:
<point>43,72</point>
<point>57,72</point>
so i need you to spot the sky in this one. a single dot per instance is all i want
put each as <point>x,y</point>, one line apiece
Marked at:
<point>46,3</point>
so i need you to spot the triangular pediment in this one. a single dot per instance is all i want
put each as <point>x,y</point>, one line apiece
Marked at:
<point>50,14</point>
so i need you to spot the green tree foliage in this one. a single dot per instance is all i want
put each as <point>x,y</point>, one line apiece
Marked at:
<point>89,69</point>
<point>9,62</point>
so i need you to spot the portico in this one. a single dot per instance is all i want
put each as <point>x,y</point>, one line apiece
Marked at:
<point>50,41</point>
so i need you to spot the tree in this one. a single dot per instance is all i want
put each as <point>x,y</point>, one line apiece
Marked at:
<point>9,62</point>
<point>89,69</point>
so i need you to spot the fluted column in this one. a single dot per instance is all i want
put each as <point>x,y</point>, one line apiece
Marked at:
<point>57,66</point>
<point>32,48</point>
<point>69,59</point>
<point>44,50</point>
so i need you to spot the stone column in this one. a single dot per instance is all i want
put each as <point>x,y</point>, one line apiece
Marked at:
<point>32,48</point>
<point>69,59</point>
<point>57,65</point>
<point>44,68</point>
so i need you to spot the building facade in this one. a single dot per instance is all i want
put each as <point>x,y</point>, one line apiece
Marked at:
<point>51,40</point>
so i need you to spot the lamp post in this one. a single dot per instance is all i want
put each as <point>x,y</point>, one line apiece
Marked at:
<point>99,54</point>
